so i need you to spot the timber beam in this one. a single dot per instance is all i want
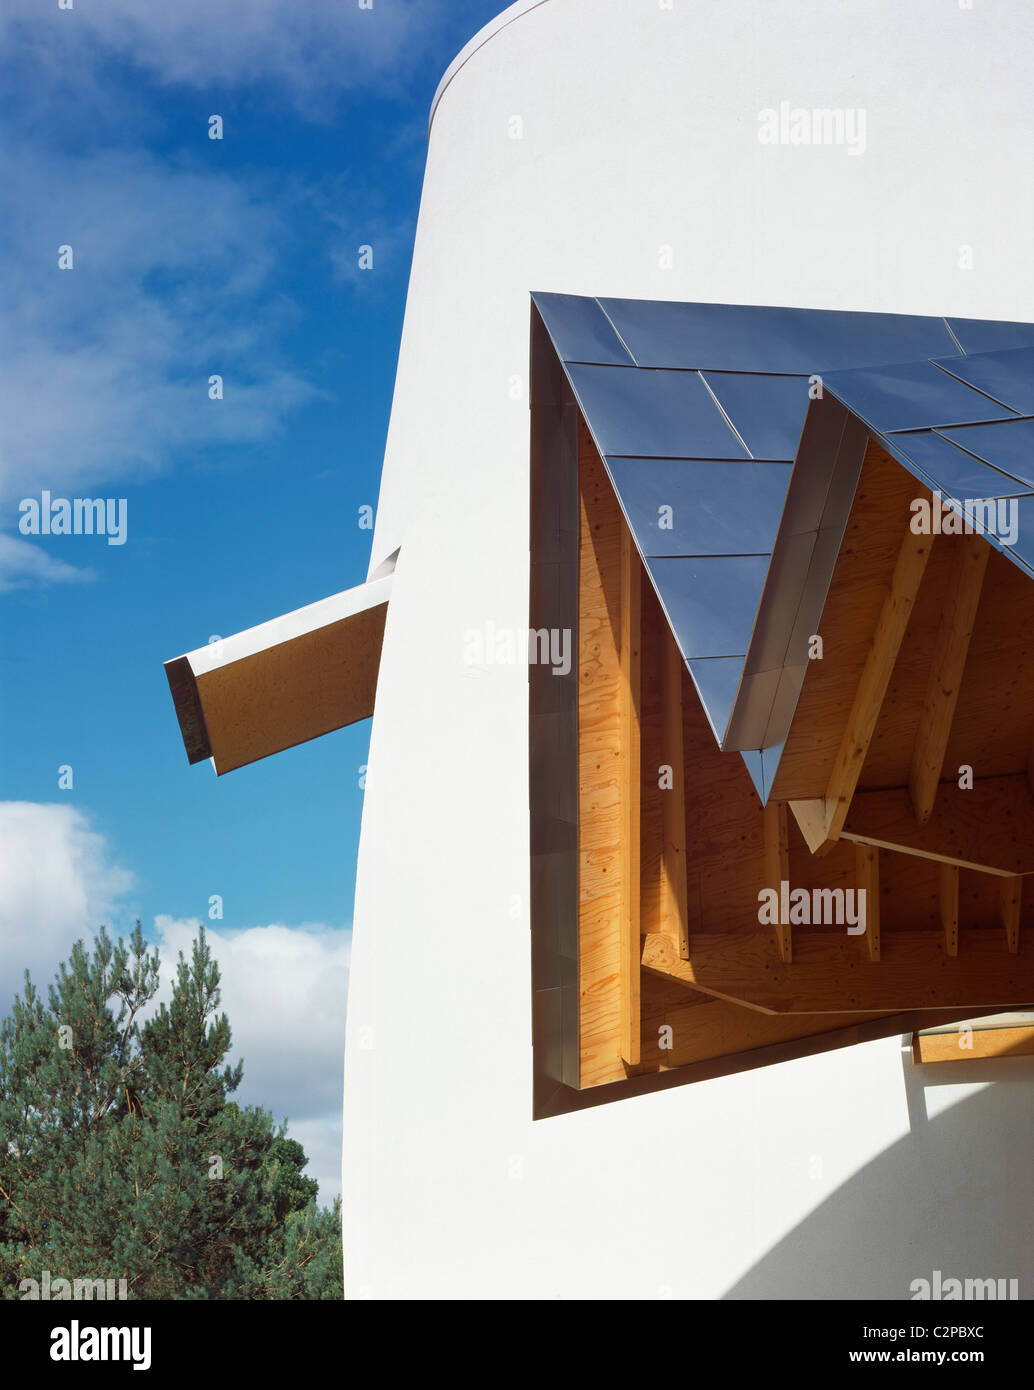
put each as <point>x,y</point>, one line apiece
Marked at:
<point>948,902</point>
<point>631,789</point>
<point>822,820</point>
<point>675,895</point>
<point>958,619</point>
<point>831,973</point>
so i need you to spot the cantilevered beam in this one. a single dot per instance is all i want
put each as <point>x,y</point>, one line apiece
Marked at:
<point>989,826</point>
<point>948,902</point>
<point>867,864</point>
<point>833,974</point>
<point>284,682</point>
<point>1008,1041</point>
<point>1010,895</point>
<point>828,815</point>
<point>631,618</point>
<point>958,619</point>
<point>674,901</point>
<point>777,868</point>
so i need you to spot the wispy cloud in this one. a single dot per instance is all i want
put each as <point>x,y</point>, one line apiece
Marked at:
<point>23,565</point>
<point>109,361</point>
<point>314,50</point>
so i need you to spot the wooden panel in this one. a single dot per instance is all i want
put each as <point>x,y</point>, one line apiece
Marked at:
<point>600,809</point>
<point>955,630</point>
<point>989,826</point>
<point>832,974</point>
<point>629,694</point>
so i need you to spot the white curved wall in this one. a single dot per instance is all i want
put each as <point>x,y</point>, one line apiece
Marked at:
<point>640,131</point>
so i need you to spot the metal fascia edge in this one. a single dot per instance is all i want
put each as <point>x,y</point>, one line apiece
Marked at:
<point>780,613</point>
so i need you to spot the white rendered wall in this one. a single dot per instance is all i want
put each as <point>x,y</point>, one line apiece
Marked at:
<point>847,1174</point>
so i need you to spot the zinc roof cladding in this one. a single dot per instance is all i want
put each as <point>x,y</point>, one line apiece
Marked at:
<point>697,411</point>
<point>972,445</point>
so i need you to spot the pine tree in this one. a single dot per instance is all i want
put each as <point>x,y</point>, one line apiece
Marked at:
<point>122,1155</point>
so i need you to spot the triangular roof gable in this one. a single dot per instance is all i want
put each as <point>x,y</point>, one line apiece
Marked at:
<point>697,411</point>
<point>963,426</point>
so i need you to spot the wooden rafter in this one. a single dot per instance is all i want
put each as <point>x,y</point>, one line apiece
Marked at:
<point>1010,897</point>
<point>948,902</point>
<point>867,860</point>
<point>777,868</point>
<point>989,826</point>
<point>675,906</point>
<point>830,974</point>
<point>958,619</point>
<point>631,617</point>
<point>829,814</point>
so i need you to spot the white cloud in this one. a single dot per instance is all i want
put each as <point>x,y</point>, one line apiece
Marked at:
<point>312,49</point>
<point>320,1137</point>
<point>284,990</point>
<point>22,564</point>
<point>57,883</point>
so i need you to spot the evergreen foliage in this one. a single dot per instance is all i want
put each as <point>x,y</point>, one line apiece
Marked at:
<point>122,1155</point>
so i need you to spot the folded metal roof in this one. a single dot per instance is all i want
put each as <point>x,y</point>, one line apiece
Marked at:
<point>735,482</point>
<point>963,426</point>
<point>969,433</point>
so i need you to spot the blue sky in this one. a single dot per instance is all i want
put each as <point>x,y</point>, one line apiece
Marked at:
<point>195,256</point>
